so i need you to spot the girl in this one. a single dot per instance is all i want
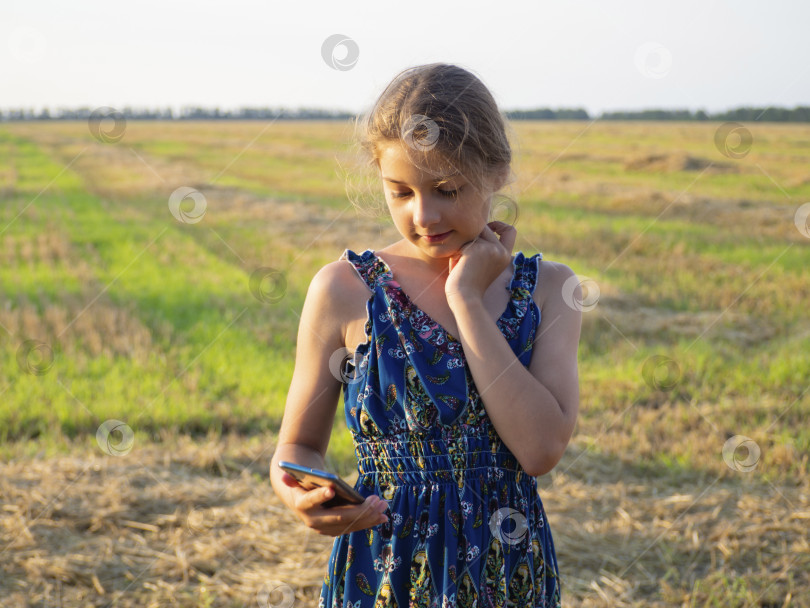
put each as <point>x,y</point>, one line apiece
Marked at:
<point>463,384</point>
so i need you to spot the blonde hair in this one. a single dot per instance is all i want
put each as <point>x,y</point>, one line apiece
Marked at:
<point>446,117</point>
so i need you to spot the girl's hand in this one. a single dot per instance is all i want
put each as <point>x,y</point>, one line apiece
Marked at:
<point>480,262</point>
<point>334,521</point>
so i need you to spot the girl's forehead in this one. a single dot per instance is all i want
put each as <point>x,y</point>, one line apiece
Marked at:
<point>398,163</point>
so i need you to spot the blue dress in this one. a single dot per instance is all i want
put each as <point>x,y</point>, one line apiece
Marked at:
<point>466,525</point>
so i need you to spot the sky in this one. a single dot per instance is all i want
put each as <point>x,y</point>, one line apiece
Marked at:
<point>596,55</point>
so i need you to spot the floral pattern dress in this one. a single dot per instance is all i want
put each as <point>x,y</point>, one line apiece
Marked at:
<point>466,525</point>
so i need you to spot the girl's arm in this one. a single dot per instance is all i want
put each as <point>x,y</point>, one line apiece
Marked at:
<point>533,409</point>
<point>313,396</point>
<point>332,299</point>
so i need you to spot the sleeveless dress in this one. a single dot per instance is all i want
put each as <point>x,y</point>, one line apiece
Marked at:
<point>466,525</point>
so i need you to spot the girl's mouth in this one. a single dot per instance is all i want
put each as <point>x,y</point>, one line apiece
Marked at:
<point>436,238</point>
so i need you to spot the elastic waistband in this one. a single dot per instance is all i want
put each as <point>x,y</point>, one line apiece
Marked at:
<point>436,461</point>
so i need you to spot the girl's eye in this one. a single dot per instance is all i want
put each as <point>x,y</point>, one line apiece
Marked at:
<point>447,193</point>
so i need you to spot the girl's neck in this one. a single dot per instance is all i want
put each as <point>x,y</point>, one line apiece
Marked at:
<point>416,261</point>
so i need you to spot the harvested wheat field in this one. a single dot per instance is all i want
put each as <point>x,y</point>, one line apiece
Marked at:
<point>150,291</point>
<point>196,523</point>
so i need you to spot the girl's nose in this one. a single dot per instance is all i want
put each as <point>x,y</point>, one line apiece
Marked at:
<point>425,211</point>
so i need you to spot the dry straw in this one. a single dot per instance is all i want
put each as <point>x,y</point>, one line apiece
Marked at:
<point>185,522</point>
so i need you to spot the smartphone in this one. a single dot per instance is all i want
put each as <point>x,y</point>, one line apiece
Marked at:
<point>315,478</point>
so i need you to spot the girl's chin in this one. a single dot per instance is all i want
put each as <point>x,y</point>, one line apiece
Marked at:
<point>445,249</point>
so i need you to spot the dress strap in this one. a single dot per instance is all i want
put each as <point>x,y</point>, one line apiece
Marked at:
<point>526,271</point>
<point>367,266</point>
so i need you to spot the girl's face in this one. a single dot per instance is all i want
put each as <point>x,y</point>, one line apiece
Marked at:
<point>435,218</point>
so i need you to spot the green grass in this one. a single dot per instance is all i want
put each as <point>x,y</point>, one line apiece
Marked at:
<point>187,296</point>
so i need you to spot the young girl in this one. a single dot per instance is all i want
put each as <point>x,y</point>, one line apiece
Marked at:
<point>464,385</point>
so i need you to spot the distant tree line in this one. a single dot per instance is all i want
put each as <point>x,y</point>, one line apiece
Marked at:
<point>548,114</point>
<point>744,114</point>
<point>188,113</point>
<point>797,114</point>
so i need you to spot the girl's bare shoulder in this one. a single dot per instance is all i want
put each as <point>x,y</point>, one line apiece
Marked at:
<point>338,287</point>
<point>551,281</point>
<point>340,278</point>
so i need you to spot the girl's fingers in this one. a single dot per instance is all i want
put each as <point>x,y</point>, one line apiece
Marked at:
<point>288,479</point>
<point>506,232</point>
<point>501,228</point>
<point>314,498</point>
<point>488,234</point>
<point>348,518</point>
